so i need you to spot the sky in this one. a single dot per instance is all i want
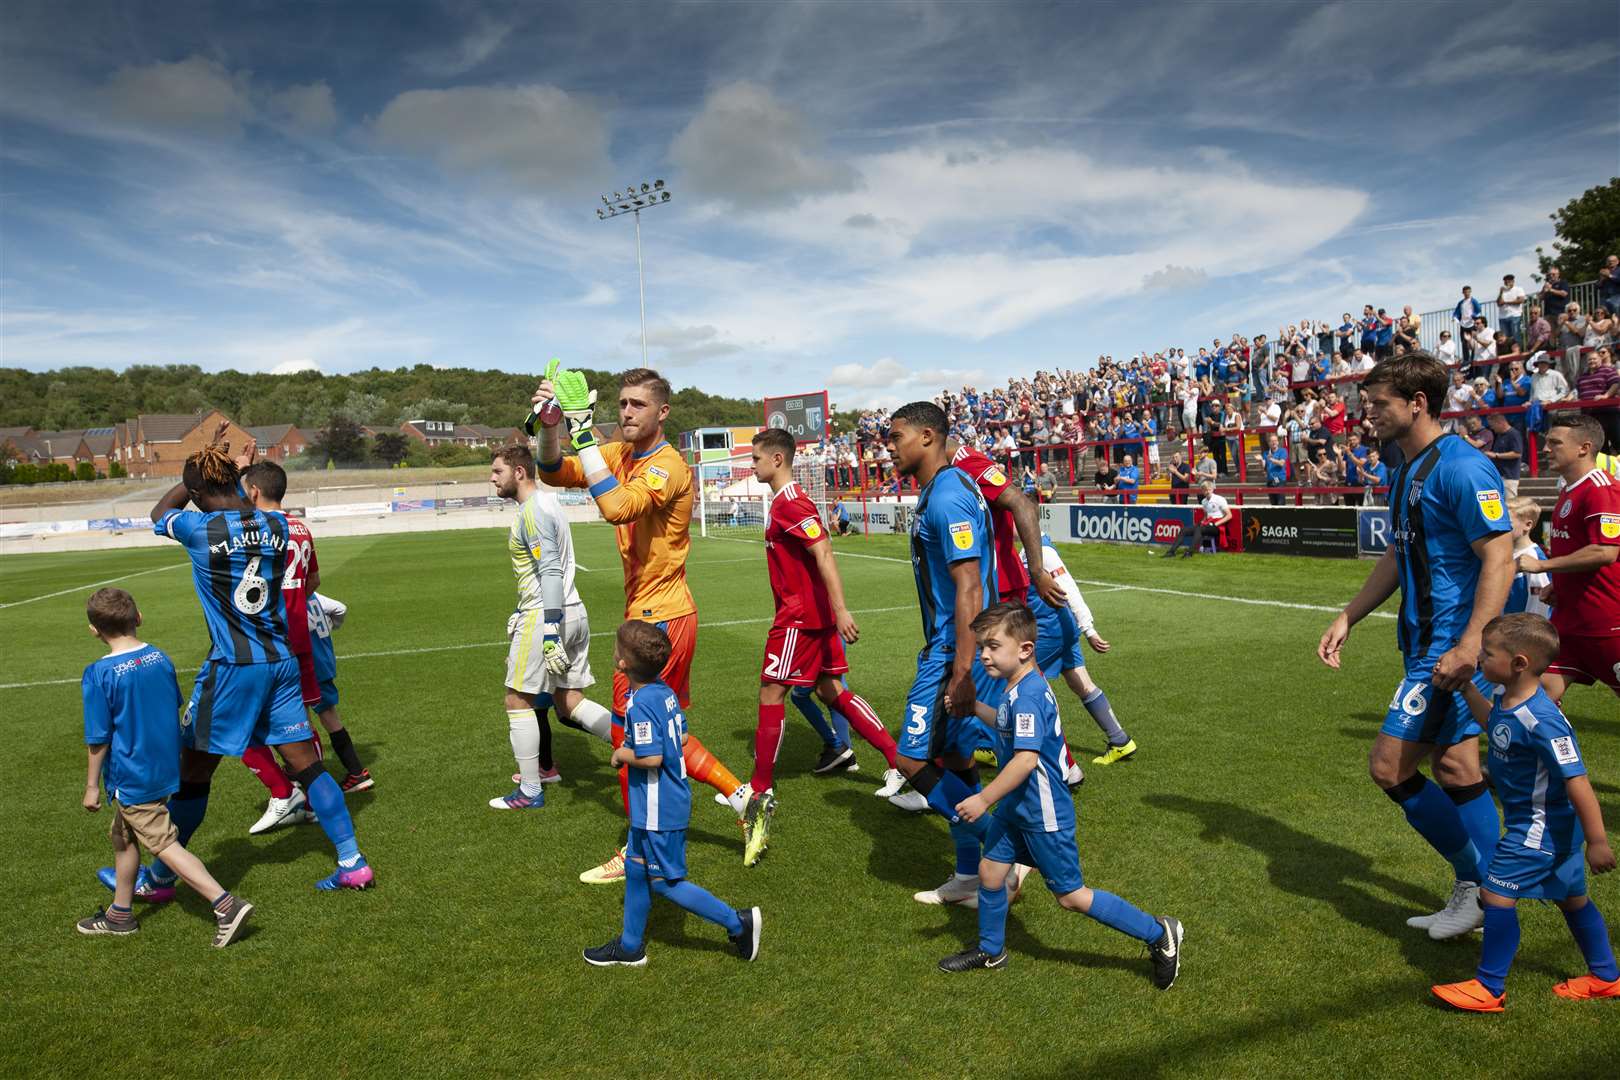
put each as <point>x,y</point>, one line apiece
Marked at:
<point>879,199</point>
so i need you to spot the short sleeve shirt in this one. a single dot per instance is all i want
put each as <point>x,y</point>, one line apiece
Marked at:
<point>661,798</point>
<point>132,706</point>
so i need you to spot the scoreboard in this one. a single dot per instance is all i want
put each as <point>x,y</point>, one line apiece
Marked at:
<point>804,416</point>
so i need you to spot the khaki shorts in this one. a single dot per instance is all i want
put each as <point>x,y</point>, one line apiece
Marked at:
<point>525,661</point>
<point>147,823</point>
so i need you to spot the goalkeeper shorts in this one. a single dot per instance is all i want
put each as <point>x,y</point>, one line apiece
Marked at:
<point>525,658</point>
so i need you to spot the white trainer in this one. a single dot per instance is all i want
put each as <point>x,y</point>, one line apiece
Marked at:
<point>893,781</point>
<point>958,890</point>
<point>912,802</point>
<point>290,810</point>
<point>1423,922</point>
<point>1461,914</point>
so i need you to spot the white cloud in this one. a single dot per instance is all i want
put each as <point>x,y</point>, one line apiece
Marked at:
<point>680,345</point>
<point>1175,277</point>
<point>470,51</point>
<point>748,149</point>
<point>598,295</point>
<point>309,108</point>
<point>194,95</point>
<point>293,367</point>
<point>888,382</point>
<point>538,137</point>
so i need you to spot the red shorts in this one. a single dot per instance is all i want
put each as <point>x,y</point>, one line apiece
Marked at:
<point>796,657</point>
<point>307,682</point>
<point>677,674</point>
<point>1589,660</point>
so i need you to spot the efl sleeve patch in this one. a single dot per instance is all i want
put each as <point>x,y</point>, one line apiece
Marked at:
<point>1564,751</point>
<point>643,732</point>
<point>1609,526</point>
<point>656,477</point>
<point>811,528</point>
<point>1490,504</point>
<point>962,535</point>
<point>994,477</point>
<point>1024,725</point>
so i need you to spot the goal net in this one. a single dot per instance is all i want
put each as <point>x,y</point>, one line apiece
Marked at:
<point>731,503</point>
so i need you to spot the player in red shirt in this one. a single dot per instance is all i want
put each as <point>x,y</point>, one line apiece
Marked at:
<point>1584,543</point>
<point>266,485</point>
<point>805,646</point>
<point>1016,520</point>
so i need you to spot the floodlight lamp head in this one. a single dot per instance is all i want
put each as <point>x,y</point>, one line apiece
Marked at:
<point>624,206</point>
<point>601,214</point>
<point>645,188</point>
<point>606,200</point>
<point>658,185</point>
<point>666,197</point>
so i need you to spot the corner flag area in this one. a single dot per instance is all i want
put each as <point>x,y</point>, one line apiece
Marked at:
<point>1247,813</point>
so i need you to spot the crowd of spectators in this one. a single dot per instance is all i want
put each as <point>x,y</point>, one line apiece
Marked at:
<point>1122,422</point>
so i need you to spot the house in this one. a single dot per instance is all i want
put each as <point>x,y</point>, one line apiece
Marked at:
<point>158,444</point>
<point>442,432</point>
<point>48,447</point>
<point>97,447</point>
<point>278,442</point>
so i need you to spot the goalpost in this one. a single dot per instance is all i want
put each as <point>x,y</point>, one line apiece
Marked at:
<point>729,501</point>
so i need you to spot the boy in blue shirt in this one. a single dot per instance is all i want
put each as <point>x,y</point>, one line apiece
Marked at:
<point>1033,823</point>
<point>132,729</point>
<point>1548,809</point>
<point>660,807</point>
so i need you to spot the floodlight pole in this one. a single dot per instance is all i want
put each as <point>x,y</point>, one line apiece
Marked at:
<point>633,200</point>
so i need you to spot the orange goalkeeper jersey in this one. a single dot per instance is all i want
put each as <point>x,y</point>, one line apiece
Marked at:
<point>648,499</point>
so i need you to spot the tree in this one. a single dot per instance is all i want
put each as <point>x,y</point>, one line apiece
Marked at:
<point>390,447</point>
<point>341,441</point>
<point>1588,231</point>
<point>84,470</point>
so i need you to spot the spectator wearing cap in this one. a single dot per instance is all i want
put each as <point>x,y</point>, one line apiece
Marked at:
<point>1506,449</point>
<point>1548,384</point>
<point>1465,314</point>
<point>1510,308</point>
<point>1554,294</point>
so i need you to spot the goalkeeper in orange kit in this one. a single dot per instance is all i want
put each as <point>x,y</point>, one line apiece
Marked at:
<point>644,489</point>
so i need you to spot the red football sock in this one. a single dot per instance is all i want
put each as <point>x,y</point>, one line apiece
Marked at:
<point>767,744</point>
<point>867,725</point>
<point>315,741</point>
<point>268,770</point>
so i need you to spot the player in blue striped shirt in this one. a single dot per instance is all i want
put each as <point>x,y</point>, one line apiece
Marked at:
<point>1451,557</point>
<point>1034,822</point>
<point>248,689</point>
<point>1550,811</point>
<point>660,804</point>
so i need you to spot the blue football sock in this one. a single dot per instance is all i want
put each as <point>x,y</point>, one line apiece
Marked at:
<point>1501,942</point>
<point>1096,704</point>
<point>1484,827</point>
<point>993,919</point>
<point>804,700</point>
<point>1592,935</point>
<point>1437,820</point>
<point>700,902</point>
<point>637,904</point>
<point>187,813</point>
<point>840,725</point>
<point>968,836</point>
<point>326,799</point>
<point>1124,916</point>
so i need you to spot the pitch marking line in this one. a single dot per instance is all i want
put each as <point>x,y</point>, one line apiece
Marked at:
<point>1114,586</point>
<point>92,585</point>
<point>472,645</point>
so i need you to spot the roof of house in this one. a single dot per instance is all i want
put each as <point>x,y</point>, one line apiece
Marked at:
<point>167,427</point>
<point>271,434</point>
<point>99,440</point>
<point>15,432</point>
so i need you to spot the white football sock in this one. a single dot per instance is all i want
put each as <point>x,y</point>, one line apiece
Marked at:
<point>524,728</point>
<point>593,719</point>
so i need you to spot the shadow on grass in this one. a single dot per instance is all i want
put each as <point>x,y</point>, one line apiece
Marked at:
<point>911,850</point>
<point>1310,867</point>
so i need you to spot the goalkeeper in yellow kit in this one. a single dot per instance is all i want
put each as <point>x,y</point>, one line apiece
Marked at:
<point>644,489</point>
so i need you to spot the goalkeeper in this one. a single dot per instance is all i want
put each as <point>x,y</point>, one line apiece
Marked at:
<point>643,487</point>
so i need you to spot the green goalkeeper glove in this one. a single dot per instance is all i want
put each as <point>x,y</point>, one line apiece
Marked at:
<point>578,402</point>
<point>553,655</point>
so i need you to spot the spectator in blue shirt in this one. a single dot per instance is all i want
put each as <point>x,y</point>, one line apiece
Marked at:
<point>1374,474</point>
<point>1384,335</point>
<point>1276,457</point>
<point>1464,314</point>
<point>1129,480</point>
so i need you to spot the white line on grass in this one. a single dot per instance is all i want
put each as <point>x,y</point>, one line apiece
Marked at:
<point>92,585</point>
<point>475,645</point>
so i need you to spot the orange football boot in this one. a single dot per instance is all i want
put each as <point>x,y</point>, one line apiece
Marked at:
<point>1470,996</point>
<point>1588,986</point>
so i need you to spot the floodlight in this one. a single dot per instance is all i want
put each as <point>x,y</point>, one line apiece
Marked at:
<point>659,184</point>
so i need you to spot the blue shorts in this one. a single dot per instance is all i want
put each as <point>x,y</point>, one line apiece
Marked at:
<point>1054,854</point>
<point>234,706</point>
<point>1527,874</point>
<point>663,852</point>
<point>1056,657</point>
<point>1420,713</point>
<point>329,696</point>
<point>929,731</point>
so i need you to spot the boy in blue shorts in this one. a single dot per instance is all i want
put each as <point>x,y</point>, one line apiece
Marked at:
<point>660,807</point>
<point>132,729</point>
<point>1034,821</point>
<point>1548,808</point>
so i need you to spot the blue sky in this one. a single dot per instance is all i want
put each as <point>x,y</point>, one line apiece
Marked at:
<point>877,198</point>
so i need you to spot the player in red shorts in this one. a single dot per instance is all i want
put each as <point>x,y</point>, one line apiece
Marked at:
<point>805,646</point>
<point>1016,520</point>
<point>266,485</point>
<point>1584,543</point>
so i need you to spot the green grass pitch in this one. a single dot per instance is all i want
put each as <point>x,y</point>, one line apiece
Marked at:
<point>1247,814</point>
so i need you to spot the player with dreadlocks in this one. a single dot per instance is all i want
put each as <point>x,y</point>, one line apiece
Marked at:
<point>247,692</point>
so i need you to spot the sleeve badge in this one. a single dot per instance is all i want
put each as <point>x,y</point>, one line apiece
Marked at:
<point>1564,751</point>
<point>962,535</point>
<point>657,477</point>
<point>644,732</point>
<point>811,528</point>
<point>1490,504</point>
<point>1609,526</point>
